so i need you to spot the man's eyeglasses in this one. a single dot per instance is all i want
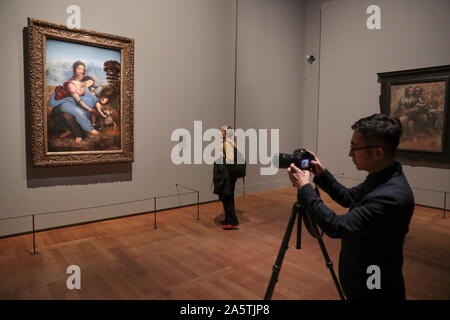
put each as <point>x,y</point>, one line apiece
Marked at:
<point>352,148</point>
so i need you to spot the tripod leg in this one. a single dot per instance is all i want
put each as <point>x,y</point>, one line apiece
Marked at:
<point>329,265</point>
<point>281,253</point>
<point>299,230</point>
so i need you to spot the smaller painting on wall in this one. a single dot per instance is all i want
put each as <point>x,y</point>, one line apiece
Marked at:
<point>419,98</point>
<point>420,108</point>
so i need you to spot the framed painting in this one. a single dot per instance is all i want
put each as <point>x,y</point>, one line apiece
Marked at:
<point>419,98</point>
<point>80,89</point>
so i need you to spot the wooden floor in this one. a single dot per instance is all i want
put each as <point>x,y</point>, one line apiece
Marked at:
<point>190,259</point>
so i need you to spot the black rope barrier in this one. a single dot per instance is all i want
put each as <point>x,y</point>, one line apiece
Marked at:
<point>155,211</point>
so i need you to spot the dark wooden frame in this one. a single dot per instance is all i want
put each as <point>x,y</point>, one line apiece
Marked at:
<point>422,75</point>
<point>36,34</point>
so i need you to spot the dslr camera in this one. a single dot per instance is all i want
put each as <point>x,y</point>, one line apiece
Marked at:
<point>300,157</point>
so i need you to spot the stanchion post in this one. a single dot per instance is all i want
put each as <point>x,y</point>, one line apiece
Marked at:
<point>198,205</point>
<point>34,237</point>
<point>445,203</point>
<point>154,214</point>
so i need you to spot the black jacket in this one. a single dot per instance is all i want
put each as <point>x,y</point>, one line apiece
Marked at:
<point>372,231</point>
<point>223,182</point>
<point>223,178</point>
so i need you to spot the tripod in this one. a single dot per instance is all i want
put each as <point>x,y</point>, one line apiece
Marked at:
<point>299,211</point>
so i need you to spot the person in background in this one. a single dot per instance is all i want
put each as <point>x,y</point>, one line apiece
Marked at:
<point>224,182</point>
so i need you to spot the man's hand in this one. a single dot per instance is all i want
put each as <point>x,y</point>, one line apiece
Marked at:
<point>298,177</point>
<point>318,167</point>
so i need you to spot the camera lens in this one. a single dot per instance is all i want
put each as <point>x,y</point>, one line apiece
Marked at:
<point>284,160</point>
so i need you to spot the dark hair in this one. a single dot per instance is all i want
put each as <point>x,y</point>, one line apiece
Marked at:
<point>379,128</point>
<point>86,78</point>
<point>78,63</point>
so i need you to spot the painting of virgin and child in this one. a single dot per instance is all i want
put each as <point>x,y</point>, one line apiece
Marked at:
<point>82,93</point>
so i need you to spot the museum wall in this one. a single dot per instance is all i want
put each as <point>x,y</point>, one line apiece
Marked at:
<point>270,77</point>
<point>184,71</point>
<point>344,88</point>
<point>311,83</point>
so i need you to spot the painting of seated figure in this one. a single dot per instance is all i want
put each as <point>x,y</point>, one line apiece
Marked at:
<point>81,87</point>
<point>83,97</point>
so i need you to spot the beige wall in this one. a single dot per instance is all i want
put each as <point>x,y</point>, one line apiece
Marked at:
<point>184,71</point>
<point>184,64</point>
<point>413,34</point>
<point>270,76</point>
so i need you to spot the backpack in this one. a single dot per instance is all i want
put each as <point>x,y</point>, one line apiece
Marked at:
<point>237,170</point>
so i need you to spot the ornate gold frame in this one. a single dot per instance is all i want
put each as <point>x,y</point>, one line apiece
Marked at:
<point>36,34</point>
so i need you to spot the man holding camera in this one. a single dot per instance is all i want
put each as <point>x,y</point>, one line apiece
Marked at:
<point>372,232</point>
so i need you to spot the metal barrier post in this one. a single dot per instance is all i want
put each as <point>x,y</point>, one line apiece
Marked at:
<point>445,203</point>
<point>154,214</point>
<point>198,205</point>
<point>34,237</point>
